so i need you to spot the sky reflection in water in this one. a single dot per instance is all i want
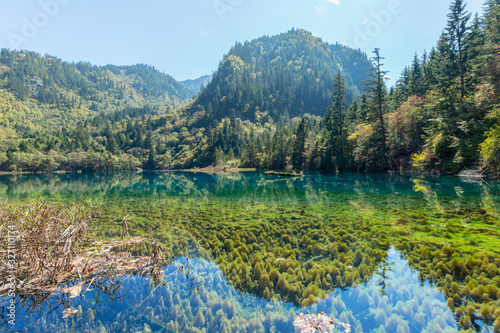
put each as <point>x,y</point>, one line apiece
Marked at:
<point>394,300</point>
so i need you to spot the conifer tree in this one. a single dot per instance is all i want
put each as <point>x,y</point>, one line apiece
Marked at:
<point>376,93</point>
<point>298,145</point>
<point>444,73</point>
<point>491,58</point>
<point>456,32</point>
<point>416,77</point>
<point>335,124</point>
<point>112,145</point>
<point>152,160</point>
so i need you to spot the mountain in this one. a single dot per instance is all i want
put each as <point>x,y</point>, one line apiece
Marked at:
<point>196,85</point>
<point>65,116</point>
<point>43,92</point>
<point>290,74</point>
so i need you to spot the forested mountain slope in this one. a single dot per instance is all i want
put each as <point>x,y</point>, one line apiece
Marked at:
<point>286,75</point>
<point>290,102</point>
<point>43,92</point>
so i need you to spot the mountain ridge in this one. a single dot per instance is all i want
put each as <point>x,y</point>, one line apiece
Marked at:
<point>287,74</point>
<point>196,85</point>
<point>43,92</point>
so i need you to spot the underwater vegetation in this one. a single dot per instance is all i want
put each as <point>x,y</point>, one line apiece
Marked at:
<point>380,305</point>
<point>282,253</point>
<point>300,254</point>
<point>381,254</point>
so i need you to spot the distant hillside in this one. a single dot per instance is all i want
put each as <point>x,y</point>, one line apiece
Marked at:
<point>43,92</point>
<point>195,85</point>
<point>285,75</point>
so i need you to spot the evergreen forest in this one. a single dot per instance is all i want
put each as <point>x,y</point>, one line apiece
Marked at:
<point>284,102</point>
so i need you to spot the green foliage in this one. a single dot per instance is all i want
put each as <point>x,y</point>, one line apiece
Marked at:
<point>283,102</point>
<point>457,82</point>
<point>281,76</point>
<point>490,148</point>
<point>371,151</point>
<point>61,93</point>
<point>335,154</point>
<point>298,146</point>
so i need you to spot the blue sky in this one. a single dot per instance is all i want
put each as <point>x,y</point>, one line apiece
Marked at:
<point>187,39</point>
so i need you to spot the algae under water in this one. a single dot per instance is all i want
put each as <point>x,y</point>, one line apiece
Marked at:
<point>382,253</point>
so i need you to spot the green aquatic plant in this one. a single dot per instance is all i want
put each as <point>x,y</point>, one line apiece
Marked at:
<point>464,277</point>
<point>326,240</point>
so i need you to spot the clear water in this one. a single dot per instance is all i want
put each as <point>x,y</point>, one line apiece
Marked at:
<point>404,304</point>
<point>396,297</point>
<point>248,185</point>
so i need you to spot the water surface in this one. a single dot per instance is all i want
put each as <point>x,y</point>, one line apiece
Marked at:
<point>379,252</point>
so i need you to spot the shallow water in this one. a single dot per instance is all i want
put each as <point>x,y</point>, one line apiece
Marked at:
<point>396,301</point>
<point>378,252</point>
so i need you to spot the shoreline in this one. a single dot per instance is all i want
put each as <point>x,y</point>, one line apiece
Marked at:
<point>229,170</point>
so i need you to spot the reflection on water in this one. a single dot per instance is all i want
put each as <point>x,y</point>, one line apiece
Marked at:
<point>273,244</point>
<point>258,185</point>
<point>396,300</point>
<point>393,300</point>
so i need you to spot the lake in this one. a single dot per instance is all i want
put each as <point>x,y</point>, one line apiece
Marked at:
<point>249,252</point>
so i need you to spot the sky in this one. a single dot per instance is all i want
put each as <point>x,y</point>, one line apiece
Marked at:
<point>188,38</point>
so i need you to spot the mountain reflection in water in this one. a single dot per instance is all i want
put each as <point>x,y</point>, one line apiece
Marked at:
<point>393,300</point>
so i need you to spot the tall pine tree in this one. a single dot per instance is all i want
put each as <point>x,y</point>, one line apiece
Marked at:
<point>336,135</point>
<point>376,93</point>
<point>456,32</point>
<point>298,146</point>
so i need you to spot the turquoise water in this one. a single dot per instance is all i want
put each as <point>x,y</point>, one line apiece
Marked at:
<point>245,185</point>
<point>397,295</point>
<point>393,301</point>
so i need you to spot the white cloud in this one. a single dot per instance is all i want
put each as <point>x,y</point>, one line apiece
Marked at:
<point>318,8</point>
<point>202,32</point>
<point>335,2</point>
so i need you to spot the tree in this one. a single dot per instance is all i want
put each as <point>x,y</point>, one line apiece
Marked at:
<point>112,145</point>
<point>151,163</point>
<point>335,124</point>
<point>376,93</point>
<point>299,145</point>
<point>251,150</point>
<point>475,41</point>
<point>490,148</point>
<point>491,57</point>
<point>148,142</point>
<point>416,84</point>
<point>352,114</point>
<point>456,32</point>
<point>219,156</point>
<point>444,73</point>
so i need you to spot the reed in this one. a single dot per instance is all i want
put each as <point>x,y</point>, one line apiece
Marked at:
<point>48,236</point>
<point>54,245</point>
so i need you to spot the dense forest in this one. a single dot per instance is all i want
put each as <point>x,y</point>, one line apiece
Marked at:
<point>441,116</point>
<point>286,102</point>
<point>279,77</point>
<point>43,92</point>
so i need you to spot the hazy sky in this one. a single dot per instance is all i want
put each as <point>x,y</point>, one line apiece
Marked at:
<point>188,38</point>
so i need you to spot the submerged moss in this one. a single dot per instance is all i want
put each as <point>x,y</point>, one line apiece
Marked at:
<point>281,241</point>
<point>327,246</point>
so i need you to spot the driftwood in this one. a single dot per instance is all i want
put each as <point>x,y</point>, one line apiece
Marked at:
<point>475,174</point>
<point>284,174</point>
